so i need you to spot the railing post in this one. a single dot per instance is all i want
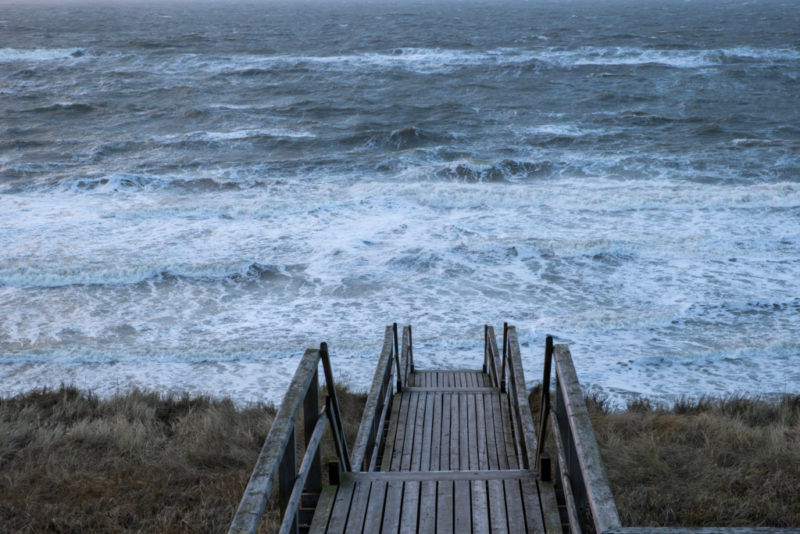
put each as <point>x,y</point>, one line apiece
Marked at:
<point>410,349</point>
<point>397,359</point>
<point>485,346</point>
<point>336,417</point>
<point>544,411</point>
<point>310,417</point>
<point>287,473</point>
<point>505,357</point>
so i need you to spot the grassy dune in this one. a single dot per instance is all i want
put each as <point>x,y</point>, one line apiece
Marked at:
<point>70,462</point>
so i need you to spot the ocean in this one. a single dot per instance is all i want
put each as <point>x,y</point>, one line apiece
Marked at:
<point>191,194</point>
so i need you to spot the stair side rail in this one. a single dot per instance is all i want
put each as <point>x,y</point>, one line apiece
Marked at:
<point>277,460</point>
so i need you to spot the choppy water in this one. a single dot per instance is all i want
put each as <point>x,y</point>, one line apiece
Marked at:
<point>190,195</point>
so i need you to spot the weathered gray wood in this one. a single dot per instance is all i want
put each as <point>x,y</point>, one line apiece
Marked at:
<point>370,426</point>
<point>516,517</point>
<point>447,389</point>
<point>436,433</point>
<point>566,483</point>
<point>520,398</point>
<point>406,354</point>
<point>511,444</point>
<point>532,507</point>
<point>311,415</point>
<point>444,507</point>
<point>410,512</point>
<point>391,434</point>
<point>322,513</point>
<point>480,508</point>
<point>341,506</point>
<point>377,501</point>
<point>286,478</point>
<point>419,428</point>
<point>427,434</point>
<point>455,462</point>
<point>463,429</point>
<point>427,507</point>
<point>544,409</point>
<point>410,431</point>
<point>465,474</point>
<point>472,431</point>
<point>497,507</point>
<point>549,504</point>
<point>444,447</point>
<point>499,422</point>
<point>391,508</point>
<point>251,507</point>
<point>400,432</point>
<point>598,491</point>
<point>495,354</point>
<point>378,441</point>
<point>461,505</point>
<point>491,443</point>
<point>480,430</point>
<point>335,412</point>
<point>358,508</point>
<point>289,523</point>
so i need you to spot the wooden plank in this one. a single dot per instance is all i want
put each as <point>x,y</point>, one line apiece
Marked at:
<point>410,513</point>
<point>436,433</point>
<point>391,507</point>
<point>408,441</point>
<point>444,507</point>
<point>319,524</point>
<point>358,508</point>
<point>566,483</point>
<point>251,507</point>
<point>454,432</point>
<point>500,439</point>
<point>427,508</point>
<point>549,506</point>
<point>391,434</point>
<point>491,443</point>
<point>510,445</point>
<point>703,530</point>
<point>531,507</point>
<point>472,432</point>
<point>497,507</point>
<point>444,452</point>
<point>377,500</point>
<point>516,517</point>
<point>427,434</point>
<point>447,389</point>
<point>480,508</point>
<point>598,491</point>
<point>467,474</point>
<point>369,428</point>
<point>419,428</point>
<point>400,437</point>
<point>462,505</point>
<point>463,433</point>
<point>480,427</point>
<point>341,507</point>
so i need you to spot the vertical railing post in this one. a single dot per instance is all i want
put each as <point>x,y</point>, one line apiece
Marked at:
<point>336,417</point>
<point>485,347</point>
<point>544,411</point>
<point>410,349</point>
<point>505,357</point>
<point>397,359</point>
<point>287,473</point>
<point>310,417</point>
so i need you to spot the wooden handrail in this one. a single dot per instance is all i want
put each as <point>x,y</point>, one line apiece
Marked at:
<point>278,457</point>
<point>518,394</point>
<point>490,356</point>
<point>376,408</point>
<point>407,355</point>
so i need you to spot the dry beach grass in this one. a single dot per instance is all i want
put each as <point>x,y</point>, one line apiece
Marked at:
<point>140,462</point>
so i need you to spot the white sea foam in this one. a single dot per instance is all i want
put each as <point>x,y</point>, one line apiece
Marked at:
<point>41,54</point>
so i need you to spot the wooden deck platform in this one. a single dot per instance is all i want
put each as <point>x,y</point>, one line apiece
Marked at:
<point>450,464</point>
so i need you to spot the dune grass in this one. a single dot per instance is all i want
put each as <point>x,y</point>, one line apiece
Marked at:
<point>141,462</point>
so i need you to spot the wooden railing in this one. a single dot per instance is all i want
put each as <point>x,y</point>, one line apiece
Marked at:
<point>278,457</point>
<point>579,466</point>
<point>406,354</point>
<point>378,406</point>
